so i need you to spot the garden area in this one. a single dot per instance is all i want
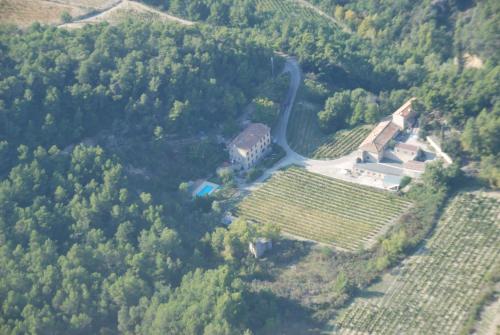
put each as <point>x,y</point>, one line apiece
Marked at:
<point>340,214</point>
<point>436,290</point>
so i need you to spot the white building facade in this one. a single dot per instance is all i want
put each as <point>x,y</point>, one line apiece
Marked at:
<point>250,145</point>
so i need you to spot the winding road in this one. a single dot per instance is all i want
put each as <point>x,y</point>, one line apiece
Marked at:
<point>333,168</point>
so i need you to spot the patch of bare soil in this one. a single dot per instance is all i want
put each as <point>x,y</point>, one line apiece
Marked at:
<point>472,61</point>
<point>25,12</point>
<point>125,9</point>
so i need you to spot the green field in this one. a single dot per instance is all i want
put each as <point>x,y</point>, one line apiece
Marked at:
<point>306,137</point>
<point>323,209</point>
<point>436,289</point>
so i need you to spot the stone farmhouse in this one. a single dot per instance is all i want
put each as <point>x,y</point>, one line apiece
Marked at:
<point>250,145</point>
<point>373,148</point>
<point>380,160</point>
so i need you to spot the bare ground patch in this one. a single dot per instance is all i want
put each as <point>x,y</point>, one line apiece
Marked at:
<point>23,13</point>
<point>126,9</point>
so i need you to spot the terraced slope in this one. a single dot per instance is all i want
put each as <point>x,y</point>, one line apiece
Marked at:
<point>331,211</point>
<point>437,288</point>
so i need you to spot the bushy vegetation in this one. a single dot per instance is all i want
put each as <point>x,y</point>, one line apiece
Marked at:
<point>57,83</point>
<point>341,214</point>
<point>94,242</point>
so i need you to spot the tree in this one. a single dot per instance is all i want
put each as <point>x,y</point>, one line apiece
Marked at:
<point>490,170</point>
<point>337,107</point>
<point>470,137</point>
<point>206,302</point>
<point>265,111</point>
<point>158,133</point>
<point>179,111</point>
<point>226,175</point>
<point>66,17</point>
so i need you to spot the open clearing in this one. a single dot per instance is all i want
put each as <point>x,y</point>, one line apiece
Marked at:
<point>436,289</point>
<point>126,9</point>
<point>24,12</point>
<point>307,205</point>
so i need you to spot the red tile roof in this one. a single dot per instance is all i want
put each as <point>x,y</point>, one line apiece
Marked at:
<point>406,146</point>
<point>415,166</point>
<point>406,109</point>
<point>379,137</point>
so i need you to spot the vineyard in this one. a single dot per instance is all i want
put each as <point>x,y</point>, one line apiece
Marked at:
<point>341,143</point>
<point>306,138</point>
<point>436,289</point>
<point>303,132</point>
<point>315,207</point>
<point>286,7</point>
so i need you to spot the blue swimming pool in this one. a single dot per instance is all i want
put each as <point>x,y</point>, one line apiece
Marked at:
<point>207,189</point>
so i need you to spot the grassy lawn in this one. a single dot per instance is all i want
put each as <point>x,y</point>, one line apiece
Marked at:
<point>436,290</point>
<point>344,215</point>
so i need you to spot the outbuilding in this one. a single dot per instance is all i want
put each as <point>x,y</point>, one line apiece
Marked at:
<point>260,246</point>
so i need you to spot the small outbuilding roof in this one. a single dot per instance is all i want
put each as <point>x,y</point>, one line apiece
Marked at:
<point>249,137</point>
<point>406,146</point>
<point>415,166</point>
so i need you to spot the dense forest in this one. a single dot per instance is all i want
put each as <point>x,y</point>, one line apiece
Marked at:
<point>87,247</point>
<point>56,84</point>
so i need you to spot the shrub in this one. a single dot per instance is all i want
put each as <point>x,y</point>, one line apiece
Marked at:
<point>253,174</point>
<point>404,181</point>
<point>66,17</point>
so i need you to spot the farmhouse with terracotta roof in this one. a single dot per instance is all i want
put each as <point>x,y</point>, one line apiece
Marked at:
<point>250,145</point>
<point>373,147</point>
